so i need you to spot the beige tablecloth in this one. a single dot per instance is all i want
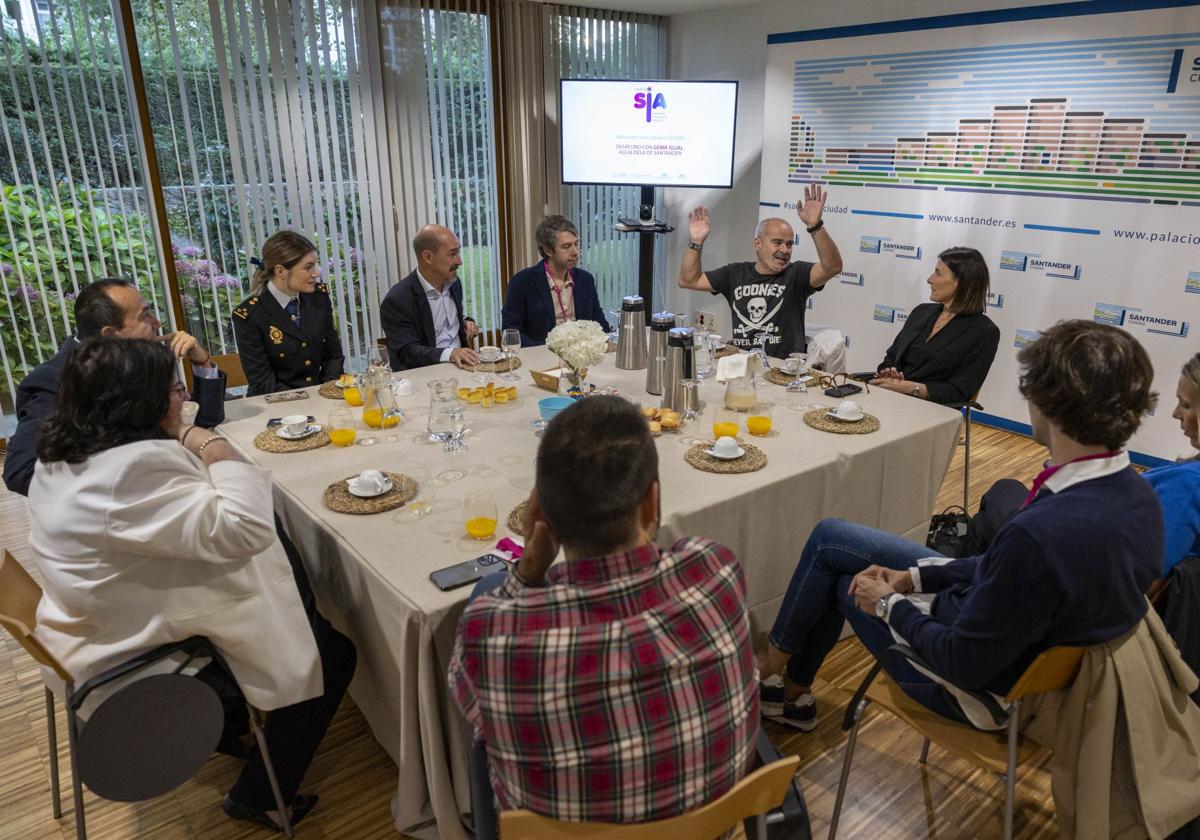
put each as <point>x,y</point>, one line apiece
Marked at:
<point>371,573</point>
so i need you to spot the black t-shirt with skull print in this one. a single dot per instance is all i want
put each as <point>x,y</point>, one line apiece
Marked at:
<point>770,304</point>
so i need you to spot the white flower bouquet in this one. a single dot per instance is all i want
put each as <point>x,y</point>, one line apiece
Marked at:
<point>579,345</point>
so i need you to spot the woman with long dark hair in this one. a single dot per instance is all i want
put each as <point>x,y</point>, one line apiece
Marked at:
<point>148,531</point>
<point>285,331</point>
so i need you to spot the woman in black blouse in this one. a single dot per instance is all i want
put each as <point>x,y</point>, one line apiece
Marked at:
<point>946,347</point>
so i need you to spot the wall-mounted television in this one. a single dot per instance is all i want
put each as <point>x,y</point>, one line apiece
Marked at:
<point>647,133</point>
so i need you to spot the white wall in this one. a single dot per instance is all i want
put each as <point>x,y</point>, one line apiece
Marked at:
<point>731,44</point>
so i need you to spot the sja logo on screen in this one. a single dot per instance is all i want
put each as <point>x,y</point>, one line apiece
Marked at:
<point>650,101</point>
<point>889,314</point>
<point>885,246</point>
<point>1133,318</point>
<point>1025,261</point>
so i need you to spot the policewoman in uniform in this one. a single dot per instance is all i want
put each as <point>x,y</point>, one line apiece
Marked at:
<point>285,332</point>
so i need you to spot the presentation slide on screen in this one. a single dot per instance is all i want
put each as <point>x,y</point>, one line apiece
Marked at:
<point>1066,150</point>
<point>652,133</point>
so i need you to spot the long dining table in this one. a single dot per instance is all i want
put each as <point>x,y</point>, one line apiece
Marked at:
<point>371,572</point>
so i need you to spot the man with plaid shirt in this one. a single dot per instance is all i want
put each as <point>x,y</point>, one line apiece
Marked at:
<point>618,686</point>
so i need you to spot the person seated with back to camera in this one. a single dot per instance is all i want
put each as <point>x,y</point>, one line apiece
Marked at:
<point>618,686</point>
<point>554,290</point>
<point>945,349</point>
<point>126,501</point>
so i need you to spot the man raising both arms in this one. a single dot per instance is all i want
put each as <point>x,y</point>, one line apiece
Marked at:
<point>767,296</point>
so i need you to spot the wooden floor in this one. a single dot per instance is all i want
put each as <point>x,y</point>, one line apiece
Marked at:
<point>890,795</point>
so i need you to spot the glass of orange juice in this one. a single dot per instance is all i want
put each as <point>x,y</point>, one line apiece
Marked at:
<point>725,422</point>
<point>758,421</point>
<point>479,510</point>
<point>341,427</point>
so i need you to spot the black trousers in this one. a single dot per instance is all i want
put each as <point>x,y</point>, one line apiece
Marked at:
<point>1001,501</point>
<point>294,732</point>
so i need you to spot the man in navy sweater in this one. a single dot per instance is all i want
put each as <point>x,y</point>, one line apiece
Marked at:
<point>1069,568</point>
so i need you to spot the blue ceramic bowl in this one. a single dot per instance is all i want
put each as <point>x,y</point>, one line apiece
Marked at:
<point>551,406</point>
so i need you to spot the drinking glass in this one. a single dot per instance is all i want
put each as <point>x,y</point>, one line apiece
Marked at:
<point>341,427</point>
<point>479,511</point>
<point>704,356</point>
<point>725,422</point>
<point>511,342</point>
<point>758,421</point>
<point>691,400</point>
<point>447,423</point>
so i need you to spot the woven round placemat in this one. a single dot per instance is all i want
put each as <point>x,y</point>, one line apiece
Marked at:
<point>819,419</point>
<point>502,366</point>
<point>338,498</point>
<point>726,350</point>
<point>516,519</point>
<point>331,390</point>
<point>779,377</point>
<point>754,459</point>
<point>268,441</point>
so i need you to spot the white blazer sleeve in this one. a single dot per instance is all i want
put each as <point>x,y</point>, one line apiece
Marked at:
<point>170,505</point>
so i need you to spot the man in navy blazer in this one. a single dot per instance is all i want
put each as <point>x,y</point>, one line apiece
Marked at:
<point>554,290</point>
<point>113,308</point>
<point>422,314</point>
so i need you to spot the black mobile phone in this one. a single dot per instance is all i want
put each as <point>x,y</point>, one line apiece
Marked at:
<point>843,391</point>
<point>286,396</point>
<point>864,376</point>
<point>468,571</point>
<point>278,421</point>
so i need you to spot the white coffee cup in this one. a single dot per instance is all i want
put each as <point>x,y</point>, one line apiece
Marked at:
<point>488,353</point>
<point>795,362</point>
<point>726,447</point>
<point>370,481</point>
<point>295,424</point>
<point>188,412</point>
<point>848,410</point>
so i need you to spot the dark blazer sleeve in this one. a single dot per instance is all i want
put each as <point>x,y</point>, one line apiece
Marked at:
<point>209,394</point>
<point>916,322</point>
<point>590,309</point>
<point>516,314</point>
<point>333,358</point>
<point>978,348</point>
<point>21,456</point>
<point>260,376</point>
<point>408,344</point>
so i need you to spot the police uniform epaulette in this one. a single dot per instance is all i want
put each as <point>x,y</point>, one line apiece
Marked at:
<point>244,308</point>
<point>323,288</point>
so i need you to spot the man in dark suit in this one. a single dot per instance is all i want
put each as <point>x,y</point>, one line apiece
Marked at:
<point>422,315</point>
<point>113,308</point>
<point>554,290</point>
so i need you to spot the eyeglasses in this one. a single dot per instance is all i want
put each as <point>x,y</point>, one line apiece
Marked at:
<point>179,388</point>
<point>836,380</point>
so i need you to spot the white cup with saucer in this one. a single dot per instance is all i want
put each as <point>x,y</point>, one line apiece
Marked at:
<point>487,353</point>
<point>294,425</point>
<point>726,448</point>
<point>848,411</point>
<point>369,483</point>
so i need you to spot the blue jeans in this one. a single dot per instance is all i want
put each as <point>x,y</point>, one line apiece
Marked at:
<point>818,599</point>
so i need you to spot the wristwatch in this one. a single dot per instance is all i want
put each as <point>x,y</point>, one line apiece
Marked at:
<point>695,246</point>
<point>881,608</point>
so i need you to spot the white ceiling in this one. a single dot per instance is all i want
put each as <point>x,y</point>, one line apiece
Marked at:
<point>661,7</point>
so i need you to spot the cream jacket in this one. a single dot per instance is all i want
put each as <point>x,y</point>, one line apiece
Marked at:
<point>142,544</point>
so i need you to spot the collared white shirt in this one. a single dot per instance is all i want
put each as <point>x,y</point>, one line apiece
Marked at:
<point>445,317</point>
<point>280,296</point>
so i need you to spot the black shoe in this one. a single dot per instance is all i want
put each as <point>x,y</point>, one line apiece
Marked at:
<point>302,803</point>
<point>800,713</point>
<point>770,696</point>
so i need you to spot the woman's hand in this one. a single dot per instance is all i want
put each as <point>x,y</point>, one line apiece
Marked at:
<point>888,373</point>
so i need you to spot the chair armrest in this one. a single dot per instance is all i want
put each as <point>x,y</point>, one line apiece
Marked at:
<point>849,718</point>
<point>998,712</point>
<point>193,646</point>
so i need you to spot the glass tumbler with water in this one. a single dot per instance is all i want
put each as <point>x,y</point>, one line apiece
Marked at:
<point>447,415</point>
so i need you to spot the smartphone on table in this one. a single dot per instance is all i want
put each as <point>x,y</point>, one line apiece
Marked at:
<point>468,571</point>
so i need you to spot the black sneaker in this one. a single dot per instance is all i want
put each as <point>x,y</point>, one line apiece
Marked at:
<point>800,713</point>
<point>770,696</point>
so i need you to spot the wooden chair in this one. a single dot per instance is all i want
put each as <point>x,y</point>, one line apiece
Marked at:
<point>1053,670</point>
<point>752,797</point>
<point>231,365</point>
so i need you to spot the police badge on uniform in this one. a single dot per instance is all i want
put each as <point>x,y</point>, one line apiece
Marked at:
<point>276,335</point>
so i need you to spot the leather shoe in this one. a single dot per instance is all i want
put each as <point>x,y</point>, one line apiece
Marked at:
<point>302,803</point>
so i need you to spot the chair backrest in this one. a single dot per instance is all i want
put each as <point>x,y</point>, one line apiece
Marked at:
<point>231,365</point>
<point>756,794</point>
<point>1053,670</point>
<point>19,597</point>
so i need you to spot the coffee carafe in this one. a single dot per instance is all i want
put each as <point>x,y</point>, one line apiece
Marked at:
<point>631,338</point>
<point>660,323</point>
<point>680,365</point>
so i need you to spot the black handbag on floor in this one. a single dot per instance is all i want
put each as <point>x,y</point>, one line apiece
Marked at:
<point>948,531</point>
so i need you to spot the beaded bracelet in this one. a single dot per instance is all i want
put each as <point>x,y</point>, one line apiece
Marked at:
<point>200,449</point>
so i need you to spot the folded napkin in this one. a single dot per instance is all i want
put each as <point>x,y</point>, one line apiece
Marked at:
<point>736,366</point>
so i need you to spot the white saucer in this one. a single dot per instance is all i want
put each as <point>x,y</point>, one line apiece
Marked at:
<point>350,485</point>
<point>713,453</point>
<point>845,419</point>
<point>286,435</point>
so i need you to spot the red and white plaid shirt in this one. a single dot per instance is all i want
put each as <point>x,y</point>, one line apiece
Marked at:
<point>625,690</point>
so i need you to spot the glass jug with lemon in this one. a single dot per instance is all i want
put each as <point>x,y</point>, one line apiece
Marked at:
<point>379,403</point>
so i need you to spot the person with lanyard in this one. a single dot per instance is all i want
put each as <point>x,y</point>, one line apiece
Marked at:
<point>554,290</point>
<point>1069,568</point>
<point>285,332</point>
